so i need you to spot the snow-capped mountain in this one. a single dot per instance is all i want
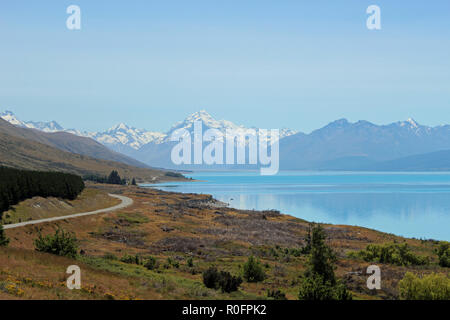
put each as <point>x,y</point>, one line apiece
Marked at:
<point>210,123</point>
<point>51,126</point>
<point>127,136</point>
<point>340,145</point>
<point>123,135</point>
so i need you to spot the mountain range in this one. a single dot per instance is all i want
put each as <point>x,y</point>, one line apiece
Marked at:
<point>340,145</point>
<point>32,149</point>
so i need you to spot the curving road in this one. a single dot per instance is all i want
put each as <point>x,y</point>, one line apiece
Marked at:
<point>125,203</point>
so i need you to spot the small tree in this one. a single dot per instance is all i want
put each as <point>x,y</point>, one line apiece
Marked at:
<point>229,283</point>
<point>319,281</point>
<point>114,178</point>
<point>253,271</point>
<point>322,258</point>
<point>62,244</point>
<point>443,253</point>
<point>151,263</point>
<point>430,287</point>
<point>211,278</point>
<point>214,279</point>
<point>3,239</point>
<point>133,182</point>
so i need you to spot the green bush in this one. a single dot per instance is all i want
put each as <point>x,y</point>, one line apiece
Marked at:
<point>253,271</point>
<point>3,239</point>
<point>276,295</point>
<point>136,259</point>
<point>173,263</point>
<point>211,278</point>
<point>110,256</point>
<point>62,244</point>
<point>314,287</point>
<point>151,263</point>
<point>214,279</point>
<point>443,253</point>
<point>392,253</point>
<point>430,287</point>
<point>190,262</point>
<point>229,283</point>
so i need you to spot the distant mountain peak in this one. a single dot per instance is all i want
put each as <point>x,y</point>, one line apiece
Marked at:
<point>412,122</point>
<point>120,126</point>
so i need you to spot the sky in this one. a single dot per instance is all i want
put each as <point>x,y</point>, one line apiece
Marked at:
<point>268,64</point>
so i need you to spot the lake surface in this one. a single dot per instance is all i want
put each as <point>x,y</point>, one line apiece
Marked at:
<point>407,204</point>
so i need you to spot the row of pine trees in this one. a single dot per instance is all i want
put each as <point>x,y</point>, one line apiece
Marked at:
<point>113,178</point>
<point>17,185</point>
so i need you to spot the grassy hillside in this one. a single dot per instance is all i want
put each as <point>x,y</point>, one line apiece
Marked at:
<point>40,208</point>
<point>187,234</point>
<point>68,142</point>
<point>25,154</point>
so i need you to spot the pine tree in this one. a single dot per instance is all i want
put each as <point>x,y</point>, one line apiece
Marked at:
<point>319,281</point>
<point>133,182</point>
<point>114,178</point>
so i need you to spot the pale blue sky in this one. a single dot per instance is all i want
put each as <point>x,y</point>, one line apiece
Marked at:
<point>271,64</point>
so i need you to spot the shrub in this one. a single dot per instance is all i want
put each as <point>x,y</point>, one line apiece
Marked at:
<point>314,287</point>
<point>173,263</point>
<point>276,295</point>
<point>3,239</point>
<point>190,262</point>
<point>110,256</point>
<point>62,244</point>
<point>131,259</point>
<point>443,253</point>
<point>392,253</point>
<point>253,272</point>
<point>151,263</point>
<point>214,279</point>
<point>211,278</point>
<point>229,283</point>
<point>430,287</point>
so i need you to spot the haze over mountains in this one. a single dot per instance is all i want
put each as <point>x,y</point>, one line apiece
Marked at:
<point>340,145</point>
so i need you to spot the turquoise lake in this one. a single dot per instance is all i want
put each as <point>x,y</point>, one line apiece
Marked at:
<point>407,204</point>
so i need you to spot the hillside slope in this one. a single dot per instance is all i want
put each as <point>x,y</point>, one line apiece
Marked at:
<point>25,154</point>
<point>68,142</point>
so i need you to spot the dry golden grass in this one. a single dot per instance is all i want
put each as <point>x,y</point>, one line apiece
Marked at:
<point>179,226</point>
<point>40,208</point>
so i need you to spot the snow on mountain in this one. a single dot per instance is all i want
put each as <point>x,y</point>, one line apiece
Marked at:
<point>130,136</point>
<point>222,125</point>
<point>125,135</point>
<point>51,126</point>
<point>11,118</point>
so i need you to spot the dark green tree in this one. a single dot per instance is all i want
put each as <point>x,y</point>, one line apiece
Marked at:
<point>3,239</point>
<point>18,185</point>
<point>443,253</point>
<point>253,271</point>
<point>114,178</point>
<point>133,182</point>
<point>319,281</point>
